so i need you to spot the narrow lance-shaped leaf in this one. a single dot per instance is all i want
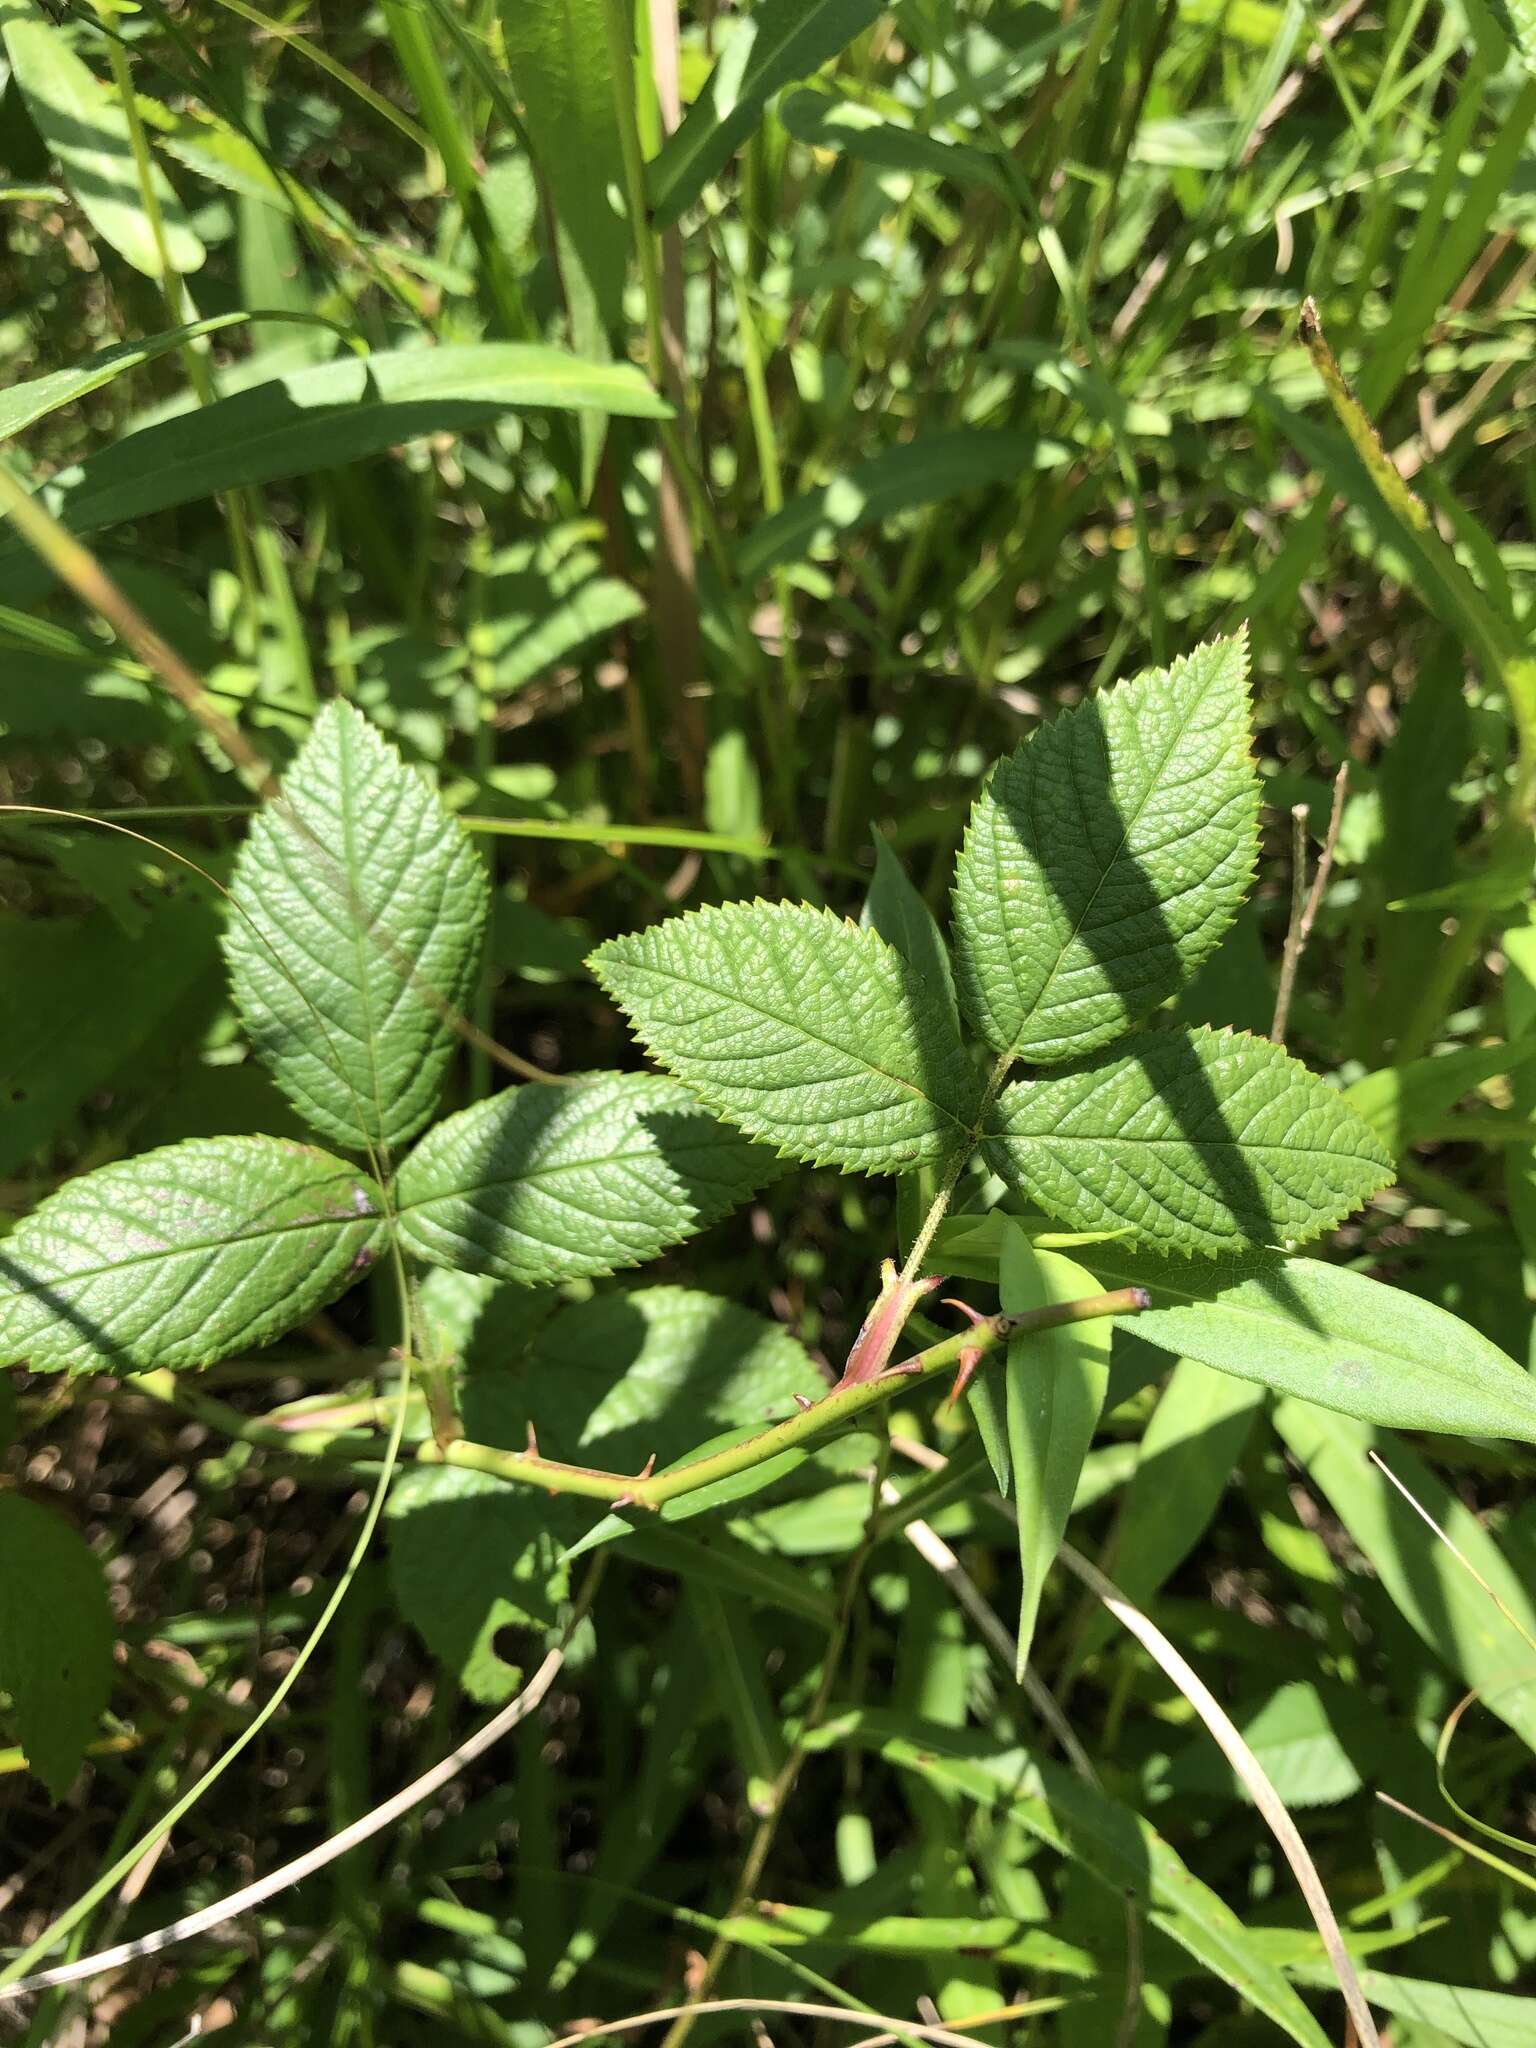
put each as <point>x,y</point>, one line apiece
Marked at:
<point>1467,1602</point>
<point>543,1184</point>
<point>1106,857</point>
<point>329,414</point>
<point>1199,1141</point>
<point>1114,1844</point>
<point>184,1255</point>
<point>82,122</point>
<point>358,906</point>
<point>56,1636</point>
<point>800,1028</point>
<point>778,42</point>
<point>1337,1338</point>
<point>558,55</point>
<point>1054,1383</point>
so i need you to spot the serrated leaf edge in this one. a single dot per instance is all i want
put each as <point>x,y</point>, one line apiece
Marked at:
<point>866,934</point>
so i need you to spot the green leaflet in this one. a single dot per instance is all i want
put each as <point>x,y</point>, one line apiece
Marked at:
<point>1336,1338</point>
<point>898,913</point>
<point>1293,1734</point>
<point>56,1636</point>
<point>1481,1632</point>
<point>1184,1461</point>
<point>924,471</point>
<point>1198,1141</point>
<point>358,907</point>
<point>184,1255</point>
<point>1114,1844</point>
<point>1054,1391</point>
<point>329,414</point>
<point>802,1029</point>
<point>618,1378</point>
<point>470,1556</point>
<point>778,42</point>
<point>540,1184</point>
<point>1105,858</point>
<point>83,124</point>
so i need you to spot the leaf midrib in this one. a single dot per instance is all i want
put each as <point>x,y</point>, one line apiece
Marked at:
<point>812,1037</point>
<point>1131,822</point>
<point>213,1244</point>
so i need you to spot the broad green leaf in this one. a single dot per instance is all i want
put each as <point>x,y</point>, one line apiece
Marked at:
<point>82,123</point>
<point>181,1256</point>
<point>25,403</point>
<point>1455,2012</point>
<point>802,1029</point>
<point>1483,1633</point>
<point>1199,1141</point>
<point>541,1184</point>
<point>1106,857</point>
<point>1401,1103</point>
<point>925,471</point>
<point>357,913</point>
<point>898,913</point>
<point>777,43</point>
<point>1292,1734</point>
<point>469,1557</point>
<point>1116,1845</point>
<point>1184,1461</point>
<point>617,1379</point>
<point>1054,1391</point>
<point>56,1636</point>
<point>328,414</point>
<point>59,1041</point>
<point>1335,1338</point>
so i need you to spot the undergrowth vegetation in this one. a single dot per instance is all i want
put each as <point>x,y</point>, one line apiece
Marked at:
<point>767,1022</point>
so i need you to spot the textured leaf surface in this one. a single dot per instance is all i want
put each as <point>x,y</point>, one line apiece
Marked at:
<point>354,934</point>
<point>802,1029</point>
<point>184,1255</point>
<point>1336,1338</point>
<point>56,1636</point>
<point>1114,1844</point>
<point>1054,1383</point>
<point>541,1184</point>
<point>82,123</point>
<point>778,42</point>
<point>1200,1141</point>
<point>1106,857</point>
<point>660,1370</point>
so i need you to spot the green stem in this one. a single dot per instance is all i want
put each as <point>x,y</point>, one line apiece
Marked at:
<point>834,1411</point>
